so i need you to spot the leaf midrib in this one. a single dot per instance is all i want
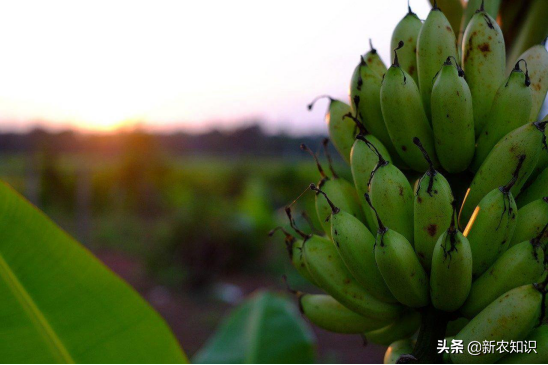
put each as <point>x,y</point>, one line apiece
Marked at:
<point>53,342</point>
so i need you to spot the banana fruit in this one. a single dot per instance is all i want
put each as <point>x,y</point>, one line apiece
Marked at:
<point>451,275</point>
<point>404,115</point>
<point>355,245</point>
<point>484,61</point>
<point>400,267</point>
<point>510,110</point>
<point>492,225</point>
<point>329,271</point>
<point>500,164</point>
<point>325,312</point>
<point>432,211</point>
<point>453,122</point>
<point>436,43</point>
<point>521,264</point>
<point>512,316</point>
<point>531,219</point>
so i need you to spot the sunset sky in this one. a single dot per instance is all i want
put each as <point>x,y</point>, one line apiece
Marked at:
<point>184,64</point>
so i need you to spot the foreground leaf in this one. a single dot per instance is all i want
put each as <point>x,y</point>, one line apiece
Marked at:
<point>60,304</point>
<point>267,328</point>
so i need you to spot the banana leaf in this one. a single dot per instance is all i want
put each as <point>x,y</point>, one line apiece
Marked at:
<point>266,328</point>
<point>59,304</point>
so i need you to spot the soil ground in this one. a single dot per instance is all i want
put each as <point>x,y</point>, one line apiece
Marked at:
<point>193,318</point>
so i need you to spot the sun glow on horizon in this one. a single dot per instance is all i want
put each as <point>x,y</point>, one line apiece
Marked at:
<point>101,66</point>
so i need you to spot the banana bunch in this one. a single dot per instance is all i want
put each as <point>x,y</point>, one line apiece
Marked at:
<point>457,251</point>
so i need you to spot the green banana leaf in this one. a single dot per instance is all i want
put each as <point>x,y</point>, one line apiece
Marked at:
<point>266,328</point>
<point>59,304</point>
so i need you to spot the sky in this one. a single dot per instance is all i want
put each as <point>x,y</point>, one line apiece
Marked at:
<point>193,65</point>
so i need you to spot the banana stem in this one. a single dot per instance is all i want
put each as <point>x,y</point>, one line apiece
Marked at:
<point>433,327</point>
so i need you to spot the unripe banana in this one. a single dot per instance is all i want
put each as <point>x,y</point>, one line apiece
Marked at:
<point>402,328</point>
<point>325,312</point>
<point>391,192</point>
<point>512,316</point>
<point>432,211</point>
<point>535,191</point>
<point>531,219</point>
<point>407,30</point>
<point>340,191</point>
<point>499,165</point>
<point>405,117</point>
<point>400,267</point>
<point>492,225</point>
<point>436,42</point>
<point>365,100</point>
<point>329,271</point>
<point>362,163</point>
<point>294,248</point>
<point>398,348</point>
<point>374,60</point>
<point>510,110</point>
<point>355,244</point>
<point>521,264</point>
<point>540,356</point>
<point>537,62</point>
<point>451,275</point>
<point>342,131</point>
<point>453,9</point>
<point>491,7</point>
<point>484,61</point>
<point>453,118</point>
<point>543,157</point>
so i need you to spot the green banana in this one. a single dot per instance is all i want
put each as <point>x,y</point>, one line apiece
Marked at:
<point>294,248</point>
<point>492,225</point>
<point>535,191</point>
<point>398,348</point>
<point>537,62</point>
<point>355,244</point>
<point>374,60</point>
<point>540,356</point>
<point>521,264</point>
<point>340,190</point>
<point>342,131</point>
<point>362,163</point>
<point>491,7</point>
<point>365,89</point>
<point>391,192</point>
<point>399,266</point>
<point>531,219</point>
<point>407,30</point>
<point>484,61</point>
<point>451,275</point>
<point>404,115</point>
<point>512,316</point>
<point>453,118</point>
<point>510,110</point>
<point>432,211</point>
<point>543,157</point>
<point>436,42</point>
<point>325,312</point>
<point>453,9</point>
<point>330,273</point>
<point>404,327</point>
<point>499,165</point>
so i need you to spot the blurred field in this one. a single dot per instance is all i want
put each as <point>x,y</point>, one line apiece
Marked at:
<point>187,230</point>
